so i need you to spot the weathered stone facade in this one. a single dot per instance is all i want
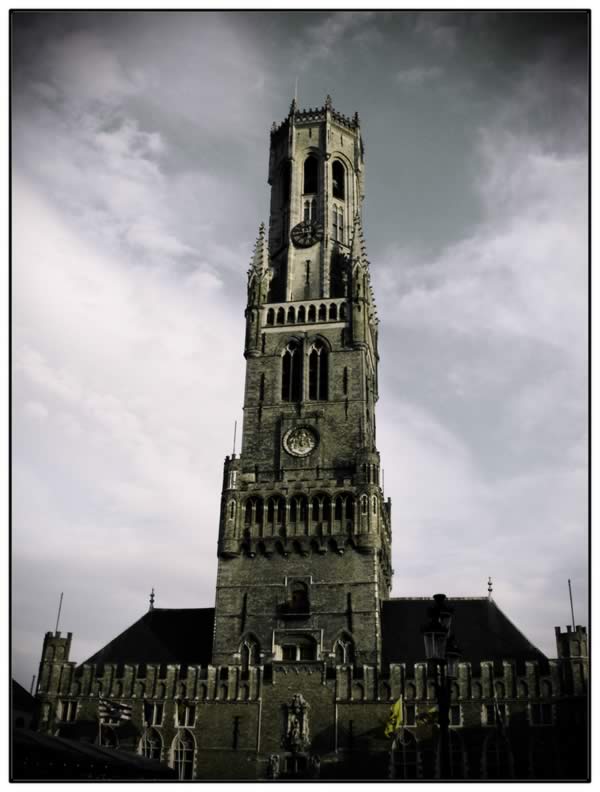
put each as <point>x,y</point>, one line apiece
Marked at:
<point>294,673</point>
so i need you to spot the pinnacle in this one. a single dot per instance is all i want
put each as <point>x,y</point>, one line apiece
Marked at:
<point>260,258</point>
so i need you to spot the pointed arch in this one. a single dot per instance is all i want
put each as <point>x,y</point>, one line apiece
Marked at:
<point>271,316</point>
<point>281,316</point>
<point>496,759</point>
<point>151,744</point>
<point>311,174</point>
<point>338,180</point>
<point>301,314</point>
<point>182,754</point>
<point>405,756</point>
<point>318,371</point>
<point>291,372</point>
<point>333,312</point>
<point>344,648</point>
<point>291,315</point>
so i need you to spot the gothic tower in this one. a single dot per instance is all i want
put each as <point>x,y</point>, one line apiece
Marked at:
<point>305,534</point>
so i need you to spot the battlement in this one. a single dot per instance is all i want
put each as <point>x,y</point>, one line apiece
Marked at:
<point>312,115</point>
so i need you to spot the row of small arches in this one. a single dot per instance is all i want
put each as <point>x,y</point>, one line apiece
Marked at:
<point>304,314</point>
<point>279,511</point>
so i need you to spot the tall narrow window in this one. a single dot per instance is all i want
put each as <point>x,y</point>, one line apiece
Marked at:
<point>341,225</point>
<point>317,372</point>
<point>335,224</point>
<point>306,211</point>
<point>338,180</point>
<point>183,755</point>
<point>291,372</point>
<point>311,174</point>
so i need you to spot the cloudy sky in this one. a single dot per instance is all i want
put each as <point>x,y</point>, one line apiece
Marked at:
<point>140,153</point>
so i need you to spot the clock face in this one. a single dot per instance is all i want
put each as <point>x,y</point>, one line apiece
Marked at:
<point>306,234</point>
<point>300,441</point>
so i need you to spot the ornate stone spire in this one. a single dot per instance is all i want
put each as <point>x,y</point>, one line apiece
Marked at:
<point>259,273</point>
<point>151,600</point>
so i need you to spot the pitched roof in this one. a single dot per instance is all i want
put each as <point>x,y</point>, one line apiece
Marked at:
<point>481,630</point>
<point>21,698</point>
<point>163,635</point>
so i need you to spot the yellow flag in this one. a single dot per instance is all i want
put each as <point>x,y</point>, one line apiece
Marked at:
<point>396,718</point>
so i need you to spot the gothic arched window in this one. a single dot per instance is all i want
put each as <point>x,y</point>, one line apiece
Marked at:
<point>404,756</point>
<point>311,174</point>
<point>183,755</point>
<point>317,372</point>
<point>291,372</point>
<point>338,180</point>
<point>151,744</point>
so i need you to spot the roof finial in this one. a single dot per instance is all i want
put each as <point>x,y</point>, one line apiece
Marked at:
<point>490,588</point>
<point>293,106</point>
<point>151,600</point>
<point>328,102</point>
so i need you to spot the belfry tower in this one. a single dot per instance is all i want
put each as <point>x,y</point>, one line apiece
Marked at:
<point>305,535</point>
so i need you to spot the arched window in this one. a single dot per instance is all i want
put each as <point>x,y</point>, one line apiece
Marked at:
<point>404,756</point>
<point>151,745</point>
<point>522,690</point>
<point>338,180</point>
<point>291,315</point>
<point>496,757</point>
<point>301,314</point>
<point>281,316</point>
<point>546,689</point>
<point>333,312</point>
<point>321,513</point>
<point>311,174</point>
<point>456,755</point>
<point>248,655</point>
<point>344,650</point>
<point>317,372</point>
<point>291,379</point>
<point>299,602</point>
<point>343,311</point>
<point>270,316</point>
<point>312,313</point>
<point>322,313</point>
<point>183,755</point>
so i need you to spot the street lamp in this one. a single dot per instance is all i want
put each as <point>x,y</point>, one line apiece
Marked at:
<point>443,656</point>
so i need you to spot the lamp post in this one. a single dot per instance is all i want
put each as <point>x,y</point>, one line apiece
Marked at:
<point>442,654</point>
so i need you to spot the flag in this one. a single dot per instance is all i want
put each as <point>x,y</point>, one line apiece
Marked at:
<point>396,719</point>
<point>113,711</point>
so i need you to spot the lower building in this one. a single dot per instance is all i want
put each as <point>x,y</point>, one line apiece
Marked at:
<point>513,713</point>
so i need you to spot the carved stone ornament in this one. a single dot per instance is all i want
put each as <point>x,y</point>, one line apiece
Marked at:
<point>297,736</point>
<point>300,441</point>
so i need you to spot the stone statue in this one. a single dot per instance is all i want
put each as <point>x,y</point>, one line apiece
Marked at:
<point>274,766</point>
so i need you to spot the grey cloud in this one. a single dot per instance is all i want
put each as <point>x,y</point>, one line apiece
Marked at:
<point>140,159</point>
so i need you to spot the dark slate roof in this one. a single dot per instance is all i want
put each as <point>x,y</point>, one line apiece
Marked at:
<point>164,635</point>
<point>482,632</point>
<point>22,699</point>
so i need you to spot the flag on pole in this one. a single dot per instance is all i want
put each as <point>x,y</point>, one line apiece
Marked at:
<point>396,719</point>
<point>113,711</point>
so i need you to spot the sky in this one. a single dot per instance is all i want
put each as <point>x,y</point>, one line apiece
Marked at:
<point>139,166</point>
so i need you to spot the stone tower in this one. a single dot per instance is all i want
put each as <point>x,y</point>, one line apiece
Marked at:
<point>305,534</point>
